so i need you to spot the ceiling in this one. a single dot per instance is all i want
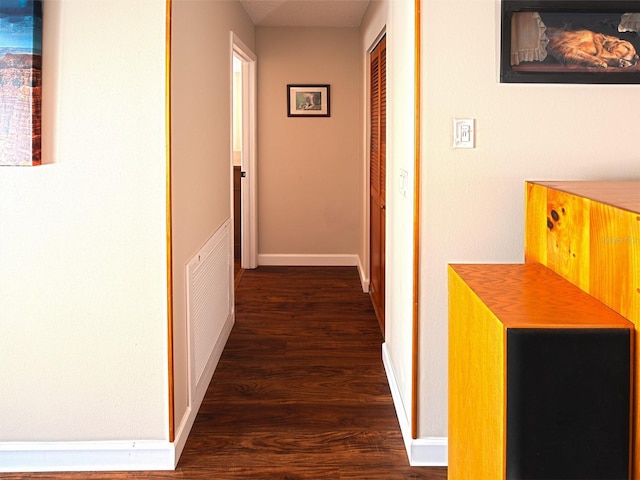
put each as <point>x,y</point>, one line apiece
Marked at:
<point>306,13</point>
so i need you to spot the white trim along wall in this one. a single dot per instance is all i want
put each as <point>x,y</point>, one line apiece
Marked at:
<point>422,452</point>
<point>128,455</point>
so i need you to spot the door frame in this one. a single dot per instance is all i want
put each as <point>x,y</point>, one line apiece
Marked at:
<point>249,198</point>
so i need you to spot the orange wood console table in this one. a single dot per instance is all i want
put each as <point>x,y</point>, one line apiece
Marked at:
<point>540,377</point>
<point>589,233</point>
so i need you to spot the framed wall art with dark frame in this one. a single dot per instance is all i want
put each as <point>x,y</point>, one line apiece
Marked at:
<point>570,41</point>
<point>308,101</point>
<point>20,82</point>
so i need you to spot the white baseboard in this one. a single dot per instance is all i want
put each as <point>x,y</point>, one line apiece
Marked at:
<point>86,456</point>
<point>422,452</point>
<point>364,280</point>
<point>290,260</point>
<point>302,260</point>
<point>126,455</point>
<point>196,397</point>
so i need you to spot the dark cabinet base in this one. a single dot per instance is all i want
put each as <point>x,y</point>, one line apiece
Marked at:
<point>568,403</point>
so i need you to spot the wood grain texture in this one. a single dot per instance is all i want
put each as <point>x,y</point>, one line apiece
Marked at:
<point>476,386</point>
<point>486,302</point>
<point>595,242</point>
<point>619,194</point>
<point>535,235</point>
<point>615,259</point>
<point>533,296</point>
<point>613,266</point>
<point>300,391</point>
<point>615,278</point>
<point>567,223</point>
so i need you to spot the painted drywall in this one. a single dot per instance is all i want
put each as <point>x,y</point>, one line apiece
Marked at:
<point>310,169</point>
<point>83,302</point>
<point>400,156</point>
<point>201,145</point>
<point>473,200</point>
<point>396,19</point>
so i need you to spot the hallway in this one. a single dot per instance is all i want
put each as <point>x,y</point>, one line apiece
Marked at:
<point>300,391</point>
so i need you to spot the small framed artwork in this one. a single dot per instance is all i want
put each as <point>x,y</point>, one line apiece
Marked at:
<point>20,81</point>
<point>308,101</point>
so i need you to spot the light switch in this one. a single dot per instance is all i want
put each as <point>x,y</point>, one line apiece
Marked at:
<point>463,133</point>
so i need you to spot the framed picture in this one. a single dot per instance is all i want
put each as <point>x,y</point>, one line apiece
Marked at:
<point>570,41</point>
<point>20,81</point>
<point>308,101</point>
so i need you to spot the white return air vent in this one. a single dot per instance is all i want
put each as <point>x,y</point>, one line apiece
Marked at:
<point>209,306</point>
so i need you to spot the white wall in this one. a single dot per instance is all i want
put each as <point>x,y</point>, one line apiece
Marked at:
<point>309,188</point>
<point>400,156</point>
<point>83,320</point>
<point>473,200</point>
<point>397,19</point>
<point>82,239</point>
<point>472,207</point>
<point>201,143</point>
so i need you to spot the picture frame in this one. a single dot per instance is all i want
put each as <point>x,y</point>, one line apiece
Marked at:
<point>539,41</point>
<point>308,101</point>
<point>20,82</point>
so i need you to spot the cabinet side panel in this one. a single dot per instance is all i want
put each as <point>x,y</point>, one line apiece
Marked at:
<point>615,276</point>
<point>476,386</point>
<point>535,231</point>
<point>615,259</point>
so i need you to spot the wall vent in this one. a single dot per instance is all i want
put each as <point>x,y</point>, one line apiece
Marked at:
<point>209,300</point>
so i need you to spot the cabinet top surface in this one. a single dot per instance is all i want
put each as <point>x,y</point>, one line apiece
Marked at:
<point>533,296</point>
<point>621,194</point>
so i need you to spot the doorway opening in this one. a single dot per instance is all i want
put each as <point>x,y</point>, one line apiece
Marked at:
<point>243,155</point>
<point>237,167</point>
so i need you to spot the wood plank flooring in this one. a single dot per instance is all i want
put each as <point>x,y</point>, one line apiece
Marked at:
<point>300,390</point>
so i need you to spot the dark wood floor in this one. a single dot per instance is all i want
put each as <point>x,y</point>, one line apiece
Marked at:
<point>300,391</point>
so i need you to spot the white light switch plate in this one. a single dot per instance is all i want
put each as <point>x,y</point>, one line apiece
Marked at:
<point>464,133</point>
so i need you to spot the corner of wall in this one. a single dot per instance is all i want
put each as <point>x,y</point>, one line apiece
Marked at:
<point>422,452</point>
<point>364,278</point>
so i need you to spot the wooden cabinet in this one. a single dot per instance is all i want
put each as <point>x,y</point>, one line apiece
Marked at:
<point>589,233</point>
<point>595,244</point>
<point>539,377</point>
<point>614,252</point>
<point>542,364</point>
